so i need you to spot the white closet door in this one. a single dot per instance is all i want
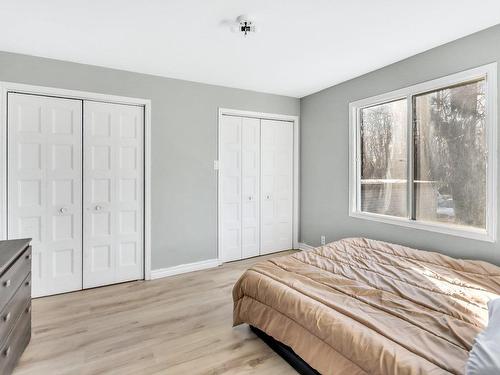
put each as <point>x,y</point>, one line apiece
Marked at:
<point>276,186</point>
<point>113,193</point>
<point>230,187</point>
<point>45,187</point>
<point>250,187</point>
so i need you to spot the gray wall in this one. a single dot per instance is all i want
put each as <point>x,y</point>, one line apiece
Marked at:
<point>184,144</point>
<point>325,144</point>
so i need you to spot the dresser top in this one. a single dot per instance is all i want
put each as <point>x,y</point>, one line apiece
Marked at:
<point>10,250</point>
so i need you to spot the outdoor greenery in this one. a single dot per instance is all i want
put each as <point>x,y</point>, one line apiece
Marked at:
<point>453,140</point>
<point>450,156</point>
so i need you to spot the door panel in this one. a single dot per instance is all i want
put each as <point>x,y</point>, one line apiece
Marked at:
<point>113,193</point>
<point>250,185</point>
<point>45,187</point>
<point>276,186</point>
<point>230,187</point>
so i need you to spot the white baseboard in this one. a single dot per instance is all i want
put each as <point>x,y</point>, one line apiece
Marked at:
<point>198,266</point>
<point>184,268</point>
<point>305,247</point>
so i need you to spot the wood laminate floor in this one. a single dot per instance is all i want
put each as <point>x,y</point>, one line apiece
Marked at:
<point>175,325</point>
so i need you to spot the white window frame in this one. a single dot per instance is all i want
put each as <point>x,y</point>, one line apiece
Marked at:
<point>489,234</point>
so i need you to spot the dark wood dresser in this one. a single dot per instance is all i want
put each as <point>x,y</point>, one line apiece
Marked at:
<point>15,301</point>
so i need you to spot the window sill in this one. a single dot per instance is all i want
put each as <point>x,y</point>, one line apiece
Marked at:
<point>470,233</point>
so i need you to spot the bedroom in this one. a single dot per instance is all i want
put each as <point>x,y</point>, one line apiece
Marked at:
<point>154,152</point>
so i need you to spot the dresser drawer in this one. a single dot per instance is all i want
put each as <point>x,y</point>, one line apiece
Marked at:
<point>17,341</point>
<point>14,276</point>
<point>15,307</point>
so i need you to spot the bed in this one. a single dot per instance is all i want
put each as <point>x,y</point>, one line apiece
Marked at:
<point>360,306</point>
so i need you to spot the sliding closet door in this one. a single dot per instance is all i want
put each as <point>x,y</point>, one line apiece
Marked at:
<point>239,174</point>
<point>250,187</point>
<point>45,187</point>
<point>230,187</point>
<point>276,186</point>
<point>113,193</point>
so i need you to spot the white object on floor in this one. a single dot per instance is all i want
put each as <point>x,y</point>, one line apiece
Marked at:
<point>484,358</point>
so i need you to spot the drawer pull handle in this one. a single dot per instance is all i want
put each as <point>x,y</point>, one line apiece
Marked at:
<point>27,283</point>
<point>28,256</point>
<point>7,283</point>
<point>28,309</point>
<point>6,352</point>
<point>6,318</point>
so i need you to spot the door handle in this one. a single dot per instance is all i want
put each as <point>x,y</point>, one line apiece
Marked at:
<point>250,198</point>
<point>98,208</point>
<point>63,210</point>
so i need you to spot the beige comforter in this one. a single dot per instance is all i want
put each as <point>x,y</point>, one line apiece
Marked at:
<point>360,306</point>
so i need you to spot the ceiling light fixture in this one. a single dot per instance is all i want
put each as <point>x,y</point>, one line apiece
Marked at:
<point>244,25</point>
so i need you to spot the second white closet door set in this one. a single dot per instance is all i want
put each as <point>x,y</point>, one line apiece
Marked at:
<point>75,186</point>
<point>255,187</point>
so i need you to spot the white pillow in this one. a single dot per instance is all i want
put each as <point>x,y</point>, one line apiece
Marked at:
<point>484,358</point>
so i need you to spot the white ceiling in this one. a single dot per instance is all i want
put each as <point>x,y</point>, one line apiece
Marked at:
<point>302,45</point>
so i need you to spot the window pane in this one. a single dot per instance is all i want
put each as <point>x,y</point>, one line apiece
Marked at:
<point>451,155</point>
<point>383,159</point>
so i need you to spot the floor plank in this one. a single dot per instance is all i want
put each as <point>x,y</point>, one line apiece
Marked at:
<point>175,325</point>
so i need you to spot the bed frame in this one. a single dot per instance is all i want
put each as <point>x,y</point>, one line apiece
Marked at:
<point>286,353</point>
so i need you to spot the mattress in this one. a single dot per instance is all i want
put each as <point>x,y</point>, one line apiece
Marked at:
<point>359,306</point>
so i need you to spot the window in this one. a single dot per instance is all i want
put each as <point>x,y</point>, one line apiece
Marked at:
<point>424,156</point>
<point>384,159</point>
